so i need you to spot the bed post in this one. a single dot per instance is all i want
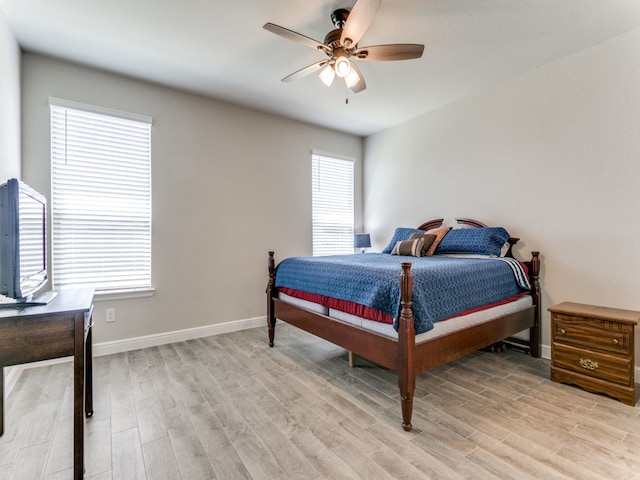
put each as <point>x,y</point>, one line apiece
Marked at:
<point>271,319</point>
<point>534,332</point>
<point>406,345</point>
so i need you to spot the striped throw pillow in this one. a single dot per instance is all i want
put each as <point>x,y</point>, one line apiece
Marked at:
<point>411,248</point>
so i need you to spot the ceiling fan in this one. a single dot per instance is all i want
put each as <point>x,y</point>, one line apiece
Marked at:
<point>341,46</point>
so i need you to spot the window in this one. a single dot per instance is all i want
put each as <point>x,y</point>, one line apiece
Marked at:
<point>332,186</point>
<point>100,198</point>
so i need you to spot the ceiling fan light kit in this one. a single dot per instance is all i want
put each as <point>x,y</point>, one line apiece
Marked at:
<point>341,46</point>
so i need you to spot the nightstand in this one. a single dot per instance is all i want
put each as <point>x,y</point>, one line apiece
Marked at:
<point>593,347</point>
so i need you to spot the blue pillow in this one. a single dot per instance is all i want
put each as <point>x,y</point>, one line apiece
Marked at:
<point>401,233</point>
<point>477,241</point>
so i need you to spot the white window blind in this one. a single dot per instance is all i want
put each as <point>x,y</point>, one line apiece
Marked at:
<point>100,199</point>
<point>332,187</point>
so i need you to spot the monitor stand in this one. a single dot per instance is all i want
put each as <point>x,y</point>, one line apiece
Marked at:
<point>43,298</point>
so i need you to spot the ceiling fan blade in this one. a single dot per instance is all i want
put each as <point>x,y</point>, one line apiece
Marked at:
<point>303,72</point>
<point>359,19</point>
<point>361,85</point>
<point>396,51</point>
<point>294,36</point>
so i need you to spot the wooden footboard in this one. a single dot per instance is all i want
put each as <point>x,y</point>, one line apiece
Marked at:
<point>403,355</point>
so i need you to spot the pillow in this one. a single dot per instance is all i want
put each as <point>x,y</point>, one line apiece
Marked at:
<point>411,248</point>
<point>428,240</point>
<point>479,241</point>
<point>440,233</point>
<point>401,233</point>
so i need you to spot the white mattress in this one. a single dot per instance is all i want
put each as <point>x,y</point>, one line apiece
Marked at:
<point>440,328</point>
<point>306,304</point>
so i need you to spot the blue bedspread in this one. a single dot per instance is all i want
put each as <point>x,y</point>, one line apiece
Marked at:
<point>442,286</point>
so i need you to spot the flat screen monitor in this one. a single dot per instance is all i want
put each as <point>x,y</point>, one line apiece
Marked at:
<point>23,241</point>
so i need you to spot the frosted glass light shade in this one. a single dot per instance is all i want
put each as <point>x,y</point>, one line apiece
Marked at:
<point>352,78</point>
<point>327,75</point>
<point>342,66</point>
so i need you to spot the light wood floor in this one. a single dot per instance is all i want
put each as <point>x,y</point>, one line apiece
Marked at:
<point>230,407</point>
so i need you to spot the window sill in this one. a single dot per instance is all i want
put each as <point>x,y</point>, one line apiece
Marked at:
<point>109,295</point>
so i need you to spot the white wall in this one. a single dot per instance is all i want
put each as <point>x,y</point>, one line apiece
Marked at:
<point>553,155</point>
<point>9,103</point>
<point>9,126</point>
<point>229,184</point>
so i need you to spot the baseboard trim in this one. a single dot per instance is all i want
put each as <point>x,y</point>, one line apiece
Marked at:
<point>545,351</point>
<point>136,343</point>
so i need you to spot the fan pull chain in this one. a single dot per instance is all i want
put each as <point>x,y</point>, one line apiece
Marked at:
<point>346,96</point>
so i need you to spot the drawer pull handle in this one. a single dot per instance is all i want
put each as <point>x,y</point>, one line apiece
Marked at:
<point>588,364</point>
<point>563,331</point>
<point>615,341</point>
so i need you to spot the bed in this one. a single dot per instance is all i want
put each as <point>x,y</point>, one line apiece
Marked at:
<point>398,346</point>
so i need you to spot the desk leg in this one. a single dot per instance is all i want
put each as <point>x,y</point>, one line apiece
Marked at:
<point>78,397</point>
<point>1,400</point>
<point>88,372</point>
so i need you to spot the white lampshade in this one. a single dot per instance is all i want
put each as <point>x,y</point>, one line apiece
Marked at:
<point>352,78</point>
<point>342,66</point>
<point>327,75</point>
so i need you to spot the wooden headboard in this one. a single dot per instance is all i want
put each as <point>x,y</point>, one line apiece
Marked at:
<point>470,222</point>
<point>435,223</point>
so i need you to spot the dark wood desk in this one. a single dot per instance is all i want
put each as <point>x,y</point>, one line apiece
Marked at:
<point>60,329</point>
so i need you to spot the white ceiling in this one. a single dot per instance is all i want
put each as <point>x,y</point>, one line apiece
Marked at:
<point>219,48</point>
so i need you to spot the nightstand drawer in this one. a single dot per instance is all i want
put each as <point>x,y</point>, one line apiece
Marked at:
<point>583,334</point>
<point>597,365</point>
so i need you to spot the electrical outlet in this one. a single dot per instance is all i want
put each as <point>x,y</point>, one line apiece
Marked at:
<point>110,315</point>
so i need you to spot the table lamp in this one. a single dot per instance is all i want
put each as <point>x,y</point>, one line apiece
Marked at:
<point>362,241</point>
